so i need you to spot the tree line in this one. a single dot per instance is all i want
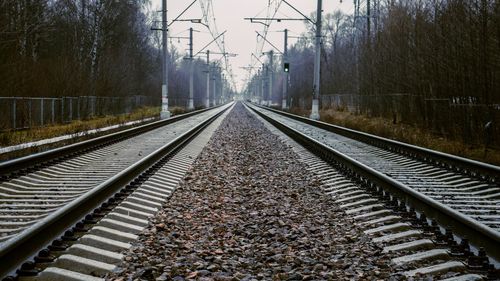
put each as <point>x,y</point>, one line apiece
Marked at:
<point>54,48</point>
<point>432,63</point>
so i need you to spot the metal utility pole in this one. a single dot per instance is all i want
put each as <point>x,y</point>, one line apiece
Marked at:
<point>214,82</point>
<point>207,101</point>
<point>258,87</point>
<point>164,114</point>
<point>263,84</point>
<point>191,70</point>
<point>223,90</point>
<point>219,81</point>
<point>317,66</point>
<point>270,96</point>
<point>285,80</point>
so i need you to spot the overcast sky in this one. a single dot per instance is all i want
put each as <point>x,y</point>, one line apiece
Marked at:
<point>240,37</point>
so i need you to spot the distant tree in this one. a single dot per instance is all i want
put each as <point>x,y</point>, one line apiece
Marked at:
<point>86,47</point>
<point>433,63</point>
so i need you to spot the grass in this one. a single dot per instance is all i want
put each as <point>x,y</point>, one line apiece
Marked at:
<point>9,138</point>
<point>408,134</point>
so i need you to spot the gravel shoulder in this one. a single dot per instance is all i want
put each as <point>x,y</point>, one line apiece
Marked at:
<point>249,210</point>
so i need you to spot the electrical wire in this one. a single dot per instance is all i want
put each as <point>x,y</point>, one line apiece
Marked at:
<point>260,43</point>
<point>210,20</point>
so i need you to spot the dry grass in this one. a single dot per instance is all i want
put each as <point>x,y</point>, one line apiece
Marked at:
<point>23,136</point>
<point>176,110</point>
<point>408,134</point>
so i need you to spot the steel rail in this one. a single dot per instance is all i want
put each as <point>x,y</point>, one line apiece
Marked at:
<point>27,243</point>
<point>452,162</point>
<point>16,166</point>
<point>477,233</point>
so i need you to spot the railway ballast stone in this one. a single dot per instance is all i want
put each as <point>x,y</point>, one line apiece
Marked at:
<point>249,210</point>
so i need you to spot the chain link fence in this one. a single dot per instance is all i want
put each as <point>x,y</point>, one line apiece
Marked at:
<point>29,112</point>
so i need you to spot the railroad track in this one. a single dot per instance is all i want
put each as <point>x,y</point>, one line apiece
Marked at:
<point>93,234</point>
<point>42,196</point>
<point>407,200</point>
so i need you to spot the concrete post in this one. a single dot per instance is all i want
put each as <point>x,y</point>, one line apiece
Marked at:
<point>78,109</point>
<point>207,101</point>
<point>53,110</point>
<point>14,117</point>
<point>270,72</point>
<point>41,112</point>
<point>62,110</point>
<point>259,87</point>
<point>222,89</point>
<point>31,113</point>
<point>191,70</point>
<point>317,66</point>
<point>213,92</point>
<point>262,91</point>
<point>70,109</point>
<point>164,88</point>
<point>285,80</point>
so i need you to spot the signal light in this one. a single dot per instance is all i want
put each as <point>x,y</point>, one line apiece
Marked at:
<point>286,67</point>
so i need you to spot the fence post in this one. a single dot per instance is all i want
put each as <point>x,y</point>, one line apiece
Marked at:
<point>92,106</point>
<point>116,105</point>
<point>41,112</point>
<point>53,109</point>
<point>62,110</point>
<point>78,109</point>
<point>70,109</point>
<point>30,113</point>
<point>14,113</point>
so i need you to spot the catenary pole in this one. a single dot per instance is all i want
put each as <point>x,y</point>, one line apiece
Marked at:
<point>256,87</point>
<point>213,83</point>
<point>259,87</point>
<point>285,80</point>
<point>191,70</point>
<point>207,101</point>
<point>270,95</point>
<point>262,83</point>
<point>317,66</point>
<point>164,88</point>
<point>223,89</point>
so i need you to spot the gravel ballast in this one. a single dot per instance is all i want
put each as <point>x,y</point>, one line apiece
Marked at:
<point>249,210</point>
